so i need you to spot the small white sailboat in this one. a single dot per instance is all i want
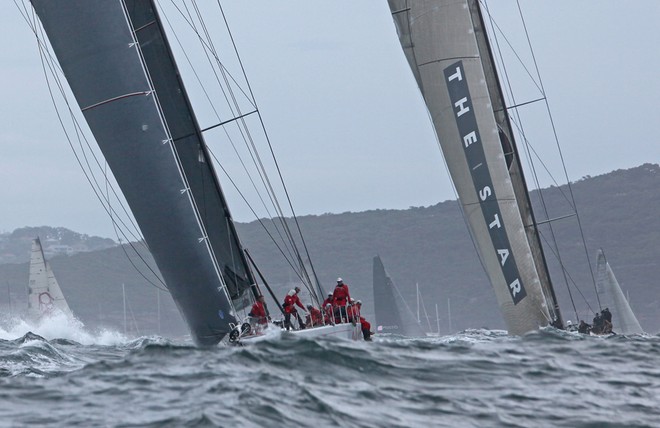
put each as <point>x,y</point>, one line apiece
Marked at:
<point>45,297</point>
<point>624,320</point>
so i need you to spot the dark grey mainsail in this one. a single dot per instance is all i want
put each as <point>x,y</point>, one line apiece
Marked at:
<point>446,46</point>
<point>624,320</point>
<point>391,311</point>
<point>120,68</point>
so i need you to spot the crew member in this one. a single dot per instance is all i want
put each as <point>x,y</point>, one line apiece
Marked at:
<point>290,301</point>
<point>259,311</point>
<point>327,300</point>
<point>314,318</point>
<point>340,298</point>
<point>366,326</point>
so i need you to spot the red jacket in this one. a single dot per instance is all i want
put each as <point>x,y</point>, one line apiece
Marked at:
<point>340,296</point>
<point>289,301</point>
<point>327,300</point>
<point>314,318</point>
<point>258,311</point>
<point>365,324</point>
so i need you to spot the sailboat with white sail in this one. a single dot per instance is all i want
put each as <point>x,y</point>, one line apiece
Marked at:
<point>447,47</point>
<point>612,297</point>
<point>45,297</point>
<point>120,67</point>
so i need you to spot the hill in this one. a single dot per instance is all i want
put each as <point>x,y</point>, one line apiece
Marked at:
<point>426,245</point>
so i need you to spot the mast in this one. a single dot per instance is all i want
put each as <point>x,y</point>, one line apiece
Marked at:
<point>437,318</point>
<point>446,47</point>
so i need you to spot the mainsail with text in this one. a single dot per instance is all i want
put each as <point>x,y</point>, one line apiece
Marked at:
<point>447,48</point>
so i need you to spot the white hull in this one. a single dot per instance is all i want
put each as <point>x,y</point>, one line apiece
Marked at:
<point>342,331</point>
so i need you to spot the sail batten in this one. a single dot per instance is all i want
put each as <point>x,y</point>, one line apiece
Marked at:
<point>447,50</point>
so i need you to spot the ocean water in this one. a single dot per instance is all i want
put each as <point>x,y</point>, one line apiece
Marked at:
<point>63,376</point>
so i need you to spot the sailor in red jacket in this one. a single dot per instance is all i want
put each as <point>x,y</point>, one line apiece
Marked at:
<point>352,311</point>
<point>314,318</point>
<point>327,300</point>
<point>259,310</point>
<point>340,299</point>
<point>366,326</point>
<point>290,301</point>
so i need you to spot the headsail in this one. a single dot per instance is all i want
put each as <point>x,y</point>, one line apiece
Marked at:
<point>45,296</point>
<point>392,313</point>
<point>447,49</point>
<point>612,297</point>
<point>120,68</point>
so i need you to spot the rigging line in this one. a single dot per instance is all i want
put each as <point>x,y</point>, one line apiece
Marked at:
<point>96,188</point>
<point>513,50</point>
<point>258,194</point>
<point>190,64</point>
<point>241,130</point>
<point>279,232</point>
<point>527,149</point>
<point>540,160</point>
<point>258,219</point>
<point>561,155</point>
<point>513,107</point>
<point>206,46</point>
<point>572,281</point>
<point>267,139</point>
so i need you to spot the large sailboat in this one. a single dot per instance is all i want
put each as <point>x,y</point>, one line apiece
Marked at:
<point>45,297</point>
<point>612,297</point>
<point>122,71</point>
<point>447,48</point>
<point>393,315</point>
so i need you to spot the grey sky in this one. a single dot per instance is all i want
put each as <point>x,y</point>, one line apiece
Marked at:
<point>342,109</point>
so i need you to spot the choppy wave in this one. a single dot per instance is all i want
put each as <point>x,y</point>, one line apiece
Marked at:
<point>475,378</point>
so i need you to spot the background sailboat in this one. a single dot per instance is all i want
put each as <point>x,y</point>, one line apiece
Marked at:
<point>45,297</point>
<point>393,315</point>
<point>624,320</point>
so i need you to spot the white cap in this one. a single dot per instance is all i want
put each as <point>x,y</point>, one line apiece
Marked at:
<point>339,280</point>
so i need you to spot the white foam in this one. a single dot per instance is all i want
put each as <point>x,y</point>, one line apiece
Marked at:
<point>59,326</point>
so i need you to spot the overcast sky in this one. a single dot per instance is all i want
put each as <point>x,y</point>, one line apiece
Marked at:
<point>346,119</point>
